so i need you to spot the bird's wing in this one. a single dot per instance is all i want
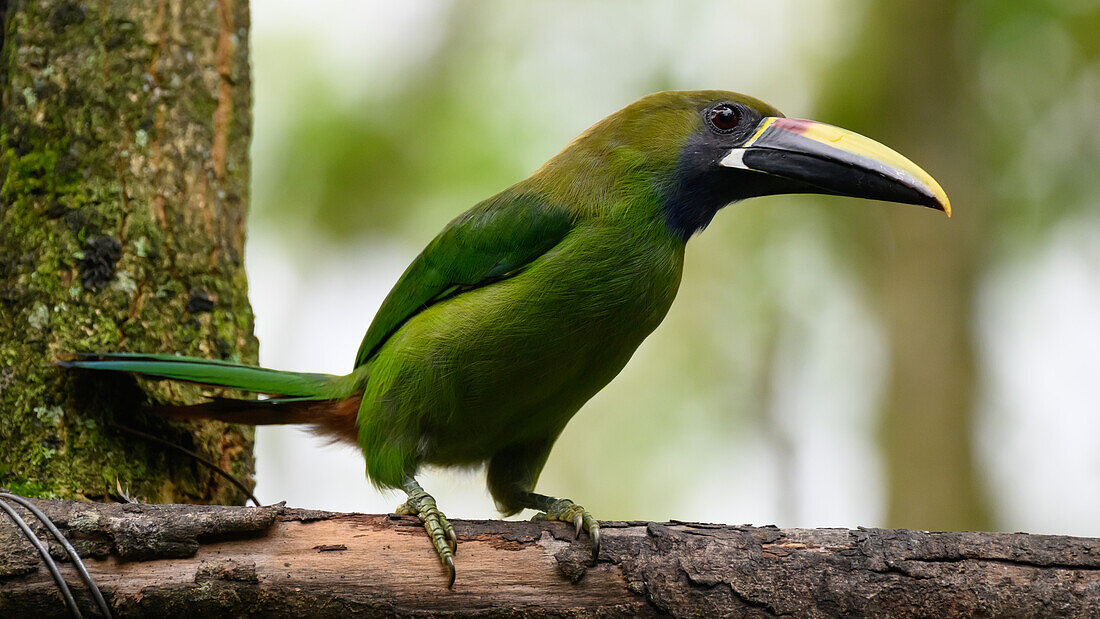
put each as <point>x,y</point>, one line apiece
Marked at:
<point>492,241</point>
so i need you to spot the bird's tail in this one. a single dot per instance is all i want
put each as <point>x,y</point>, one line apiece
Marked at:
<point>322,401</point>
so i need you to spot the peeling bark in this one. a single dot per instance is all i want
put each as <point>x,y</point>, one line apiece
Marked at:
<point>124,136</point>
<point>274,561</point>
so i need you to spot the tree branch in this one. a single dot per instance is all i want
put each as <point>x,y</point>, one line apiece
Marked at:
<point>232,561</point>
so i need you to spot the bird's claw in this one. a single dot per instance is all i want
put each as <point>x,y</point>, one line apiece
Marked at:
<point>453,539</point>
<point>568,511</point>
<point>439,529</point>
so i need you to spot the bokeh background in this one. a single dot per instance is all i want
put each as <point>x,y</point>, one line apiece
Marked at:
<point>829,362</point>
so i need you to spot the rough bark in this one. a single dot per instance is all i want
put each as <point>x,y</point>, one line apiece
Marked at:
<point>124,136</point>
<point>272,561</point>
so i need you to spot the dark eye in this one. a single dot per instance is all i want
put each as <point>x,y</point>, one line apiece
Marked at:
<point>723,118</point>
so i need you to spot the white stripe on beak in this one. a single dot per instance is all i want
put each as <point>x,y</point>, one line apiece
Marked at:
<point>734,159</point>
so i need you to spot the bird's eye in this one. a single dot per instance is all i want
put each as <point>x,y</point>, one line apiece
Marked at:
<point>723,118</point>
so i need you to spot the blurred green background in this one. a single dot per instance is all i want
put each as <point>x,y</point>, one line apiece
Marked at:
<point>829,362</point>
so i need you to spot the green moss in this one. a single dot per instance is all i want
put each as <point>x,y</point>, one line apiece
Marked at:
<point>64,178</point>
<point>28,487</point>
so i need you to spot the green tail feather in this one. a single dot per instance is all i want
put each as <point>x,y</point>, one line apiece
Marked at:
<point>208,372</point>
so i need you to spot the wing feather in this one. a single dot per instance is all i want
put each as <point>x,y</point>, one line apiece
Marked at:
<point>490,242</point>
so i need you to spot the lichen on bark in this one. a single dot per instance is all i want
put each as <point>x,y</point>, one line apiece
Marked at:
<point>124,135</point>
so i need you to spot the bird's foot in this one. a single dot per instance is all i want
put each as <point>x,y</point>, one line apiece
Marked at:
<point>568,511</point>
<point>422,505</point>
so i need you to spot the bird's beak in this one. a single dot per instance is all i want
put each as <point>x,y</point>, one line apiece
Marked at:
<point>813,157</point>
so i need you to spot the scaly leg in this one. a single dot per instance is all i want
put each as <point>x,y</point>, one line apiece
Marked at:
<point>512,475</point>
<point>422,505</point>
<point>565,511</point>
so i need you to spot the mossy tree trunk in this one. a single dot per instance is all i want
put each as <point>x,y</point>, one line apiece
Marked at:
<point>124,135</point>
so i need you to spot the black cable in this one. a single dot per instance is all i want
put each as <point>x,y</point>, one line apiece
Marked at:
<point>69,550</point>
<point>50,563</point>
<point>217,469</point>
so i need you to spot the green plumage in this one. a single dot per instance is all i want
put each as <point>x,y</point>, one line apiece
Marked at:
<point>527,304</point>
<point>490,242</point>
<point>208,372</point>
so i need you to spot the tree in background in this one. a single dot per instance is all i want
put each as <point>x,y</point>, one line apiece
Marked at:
<point>994,97</point>
<point>903,82</point>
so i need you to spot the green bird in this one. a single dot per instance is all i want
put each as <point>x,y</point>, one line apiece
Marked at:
<point>527,304</point>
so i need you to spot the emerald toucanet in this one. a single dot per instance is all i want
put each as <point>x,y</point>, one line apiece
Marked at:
<point>527,304</point>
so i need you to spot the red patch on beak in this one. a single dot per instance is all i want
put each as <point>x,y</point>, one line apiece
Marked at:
<point>794,125</point>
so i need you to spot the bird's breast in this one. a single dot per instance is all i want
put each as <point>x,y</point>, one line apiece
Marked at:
<point>514,360</point>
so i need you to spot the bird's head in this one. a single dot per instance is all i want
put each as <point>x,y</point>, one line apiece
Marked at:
<point>701,150</point>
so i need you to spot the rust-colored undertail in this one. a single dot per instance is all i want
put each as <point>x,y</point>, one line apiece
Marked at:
<point>333,419</point>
